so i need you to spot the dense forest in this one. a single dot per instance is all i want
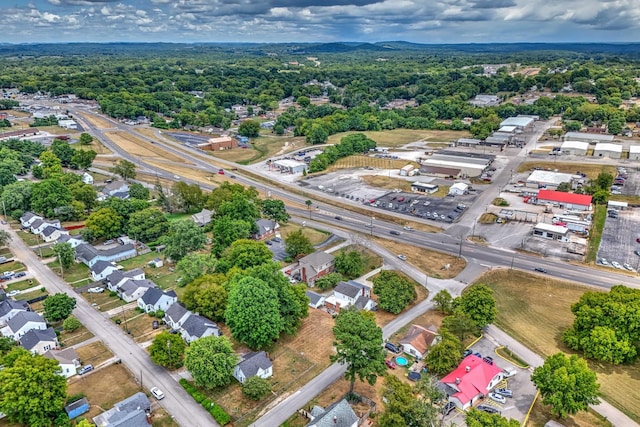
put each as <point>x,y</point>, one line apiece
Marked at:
<point>198,84</point>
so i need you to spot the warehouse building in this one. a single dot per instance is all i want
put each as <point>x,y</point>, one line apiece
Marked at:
<point>459,189</point>
<point>574,148</point>
<point>289,166</point>
<point>408,170</point>
<point>440,171</point>
<point>521,123</point>
<point>634,152</point>
<point>550,180</point>
<point>468,142</point>
<point>571,201</point>
<point>605,149</point>
<point>496,141</point>
<point>588,137</point>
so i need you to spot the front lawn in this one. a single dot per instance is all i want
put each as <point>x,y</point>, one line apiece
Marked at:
<point>78,271</point>
<point>22,285</point>
<point>68,339</point>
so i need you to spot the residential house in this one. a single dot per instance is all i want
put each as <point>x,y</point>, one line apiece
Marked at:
<point>52,234</point>
<point>253,364</point>
<point>350,293</point>
<point>89,255</point>
<point>10,308</point>
<point>131,412</point>
<point>176,315</point>
<point>196,326</point>
<point>203,217</point>
<point>417,341</point>
<point>315,300</point>
<point>28,218</point>
<point>38,226</point>
<point>266,229</point>
<point>23,322</point>
<point>74,241</point>
<point>101,269</point>
<point>471,381</point>
<point>119,189</point>
<point>132,289</point>
<point>118,277</point>
<point>68,360</point>
<point>155,299</point>
<point>314,266</point>
<point>339,414</point>
<point>39,341</point>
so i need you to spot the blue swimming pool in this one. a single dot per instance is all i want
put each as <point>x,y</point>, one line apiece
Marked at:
<point>402,361</point>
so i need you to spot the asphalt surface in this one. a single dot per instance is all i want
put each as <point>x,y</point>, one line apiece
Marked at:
<point>177,402</point>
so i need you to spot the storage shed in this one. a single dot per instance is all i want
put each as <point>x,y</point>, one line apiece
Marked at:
<point>459,189</point>
<point>77,408</point>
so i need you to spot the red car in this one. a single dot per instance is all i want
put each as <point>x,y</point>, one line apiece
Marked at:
<point>390,364</point>
<point>220,172</point>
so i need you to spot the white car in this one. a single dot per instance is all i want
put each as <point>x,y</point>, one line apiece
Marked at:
<point>95,290</point>
<point>402,257</point>
<point>616,265</point>
<point>406,227</point>
<point>628,267</point>
<point>497,398</point>
<point>509,372</point>
<point>157,393</point>
<point>604,261</point>
<point>13,293</point>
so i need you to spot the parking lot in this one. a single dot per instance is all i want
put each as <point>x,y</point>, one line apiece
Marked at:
<point>445,209</point>
<point>619,239</point>
<point>523,389</point>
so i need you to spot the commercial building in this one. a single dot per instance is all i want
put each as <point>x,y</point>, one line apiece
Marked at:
<point>408,170</point>
<point>219,144</point>
<point>549,180</point>
<point>421,187</point>
<point>469,165</point>
<point>578,202</point>
<point>521,122</point>
<point>289,166</point>
<point>468,142</point>
<point>634,152</point>
<point>459,189</point>
<point>550,231</point>
<point>605,149</point>
<point>574,148</point>
<point>440,171</point>
<point>482,100</point>
<point>587,137</point>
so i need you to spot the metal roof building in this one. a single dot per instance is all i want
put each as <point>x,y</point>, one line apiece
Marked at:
<point>588,137</point>
<point>604,149</point>
<point>574,148</point>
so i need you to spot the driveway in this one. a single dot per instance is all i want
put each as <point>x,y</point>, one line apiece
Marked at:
<point>178,403</point>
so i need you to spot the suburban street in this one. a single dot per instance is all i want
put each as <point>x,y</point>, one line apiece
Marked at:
<point>177,402</point>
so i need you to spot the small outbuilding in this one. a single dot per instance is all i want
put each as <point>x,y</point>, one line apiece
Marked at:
<point>459,189</point>
<point>634,152</point>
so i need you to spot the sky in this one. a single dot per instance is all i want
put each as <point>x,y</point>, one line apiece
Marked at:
<point>419,21</point>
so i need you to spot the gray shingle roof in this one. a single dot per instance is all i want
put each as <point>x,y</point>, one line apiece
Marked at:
<point>265,226</point>
<point>21,319</point>
<point>252,362</point>
<point>348,289</point>
<point>100,266</point>
<point>339,414</point>
<point>37,223</point>
<point>29,340</point>
<point>317,259</point>
<point>314,298</point>
<point>27,216</point>
<point>196,325</point>
<point>8,304</point>
<point>361,302</point>
<point>86,252</point>
<point>130,412</point>
<point>152,296</point>
<point>176,312</point>
<point>130,286</point>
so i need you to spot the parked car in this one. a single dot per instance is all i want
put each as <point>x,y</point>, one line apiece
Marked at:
<point>478,354</point>
<point>497,398</point>
<point>157,393</point>
<point>504,392</point>
<point>488,360</point>
<point>604,261</point>
<point>13,293</point>
<point>402,257</point>
<point>95,290</point>
<point>509,372</point>
<point>450,406</point>
<point>392,347</point>
<point>617,265</point>
<point>268,243</point>
<point>3,258</point>
<point>277,239</point>
<point>85,369</point>
<point>467,352</point>
<point>390,364</point>
<point>637,252</point>
<point>109,242</point>
<point>627,266</point>
<point>20,274</point>
<point>155,324</point>
<point>488,409</point>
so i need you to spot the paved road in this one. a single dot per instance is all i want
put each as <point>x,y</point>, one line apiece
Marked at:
<point>178,403</point>
<point>615,416</point>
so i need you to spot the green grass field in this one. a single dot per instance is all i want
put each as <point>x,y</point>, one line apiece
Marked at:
<point>400,137</point>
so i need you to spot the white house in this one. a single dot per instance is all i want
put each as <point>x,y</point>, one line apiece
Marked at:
<point>155,299</point>
<point>196,326</point>
<point>176,315</point>
<point>253,364</point>
<point>39,341</point>
<point>471,381</point>
<point>417,341</point>
<point>339,414</point>
<point>131,289</point>
<point>68,360</point>
<point>28,218</point>
<point>87,178</point>
<point>117,278</point>
<point>38,226</point>
<point>89,255</point>
<point>119,189</point>
<point>9,308</point>
<point>74,241</point>
<point>23,322</point>
<point>459,189</point>
<point>315,300</point>
<point>52,234</point>
<point>101,269</point>
<point>350,293</point>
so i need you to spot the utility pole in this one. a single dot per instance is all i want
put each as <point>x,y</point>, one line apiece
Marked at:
<point>61,268</point>
<point>460,251</point>
<point>371,228</point>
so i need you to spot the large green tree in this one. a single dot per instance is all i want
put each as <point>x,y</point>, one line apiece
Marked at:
<point>567,384</point>
<point>250,128</point>
<point>189,196</point>
<point>253,313</point>
<point>138,191</point>
<point>211,361</point>
<point>183,237</point>
<point>358,342</point>
<point>275,209</point>
<point>411,407</point>
<point>243,254</point>
<point>193,266</point>
<point>207,295</point>
<point>147,225</point>
<point>478,303</point>
<point>58,307</point>
<point>476,418</point>
<point>167,350</point>
<point>82,159</point>
<point>394,291</point>
<point>63,151</point>
<point>66,254</point>
<point>460,324</point>
<point>350,264</point>
<point>256,388</point>
<point>32,392</point>
<point>227,230</point>
<point>48,195</point>
<point>85,138</point>
<point>125,169</point>
<point>445,354</point>
<point>298,244</point>
<point>444,301</point>
<point>105,223</point>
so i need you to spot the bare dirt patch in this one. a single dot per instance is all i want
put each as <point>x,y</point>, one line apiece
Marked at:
<point>430,262</point>
<point>360,161</point>
<point>380,181</point>
<point>94,353</point>
<point>104,387</point>
<point>536,311</point>
<point>141,148</point>
<point>97,121</point>
<point>541,414</point>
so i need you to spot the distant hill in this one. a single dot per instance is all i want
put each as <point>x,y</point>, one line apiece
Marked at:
<point>340,48</point>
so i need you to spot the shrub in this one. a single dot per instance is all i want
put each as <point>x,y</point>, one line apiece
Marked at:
<point>71,324</point>
<point>216,411</point>
<point>113,294</point>
<point>256,388</point>
<point>159,314</point>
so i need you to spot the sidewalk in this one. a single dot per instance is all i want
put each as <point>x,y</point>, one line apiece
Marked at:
<point>612,414</point>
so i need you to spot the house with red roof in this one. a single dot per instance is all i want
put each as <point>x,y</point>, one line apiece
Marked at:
<point>571,201</point>
<point>470,381</point>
